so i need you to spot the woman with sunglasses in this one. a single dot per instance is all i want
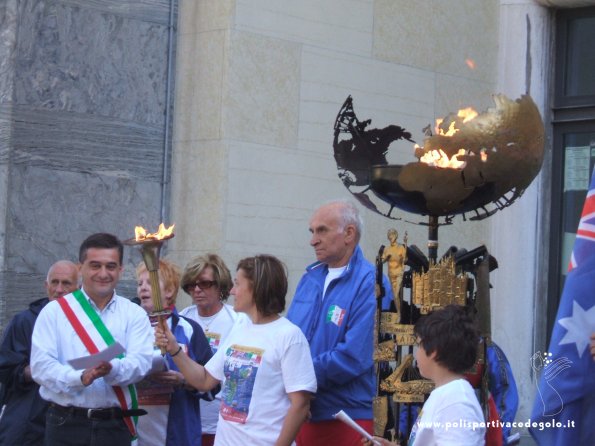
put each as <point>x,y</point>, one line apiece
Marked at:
<point>207,280</point>
<point>264,366</point>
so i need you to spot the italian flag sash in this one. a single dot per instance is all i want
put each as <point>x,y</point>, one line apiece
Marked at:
<point>96,337</point>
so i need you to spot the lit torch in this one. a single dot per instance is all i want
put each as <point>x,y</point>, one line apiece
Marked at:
<point>150,248</point>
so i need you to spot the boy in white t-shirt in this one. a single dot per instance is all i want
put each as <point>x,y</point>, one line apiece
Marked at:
<point>447,341</point>
<point>447,347</point>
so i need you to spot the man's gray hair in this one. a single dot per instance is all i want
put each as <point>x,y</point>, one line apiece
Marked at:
<point>66,263</point>
<point>349,215</point>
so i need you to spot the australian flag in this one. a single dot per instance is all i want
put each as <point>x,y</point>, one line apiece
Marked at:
<point>585,235</point>
<point>564,407</point>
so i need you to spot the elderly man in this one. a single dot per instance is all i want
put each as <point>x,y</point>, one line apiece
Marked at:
<point>23,421</point>
<point>334,305</point>
<point>95,405</point>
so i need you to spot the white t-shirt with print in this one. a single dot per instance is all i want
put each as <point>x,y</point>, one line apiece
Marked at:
<point>258,365</point>
<point>447,418</point>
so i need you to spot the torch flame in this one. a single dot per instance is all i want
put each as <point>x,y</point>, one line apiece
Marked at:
<point>451,128</point>
<point>466,115</point>
<point>140,233</point>
<point>440,159</point>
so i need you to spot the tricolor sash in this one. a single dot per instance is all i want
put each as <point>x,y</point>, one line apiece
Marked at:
<point>95,341</point>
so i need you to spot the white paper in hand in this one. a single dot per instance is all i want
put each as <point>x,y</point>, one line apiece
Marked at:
<point>87,362</point>
<point>342,416</point>
<point>159,363</point>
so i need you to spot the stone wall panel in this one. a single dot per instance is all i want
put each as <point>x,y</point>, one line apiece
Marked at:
<point>83,91</point>
<point>86,61</point>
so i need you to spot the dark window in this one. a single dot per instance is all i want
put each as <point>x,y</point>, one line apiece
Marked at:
<point>574,139</point>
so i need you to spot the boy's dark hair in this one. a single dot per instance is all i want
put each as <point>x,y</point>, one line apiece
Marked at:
<point>268,277</point>
<point>451,333</point>
<point>101,240</point>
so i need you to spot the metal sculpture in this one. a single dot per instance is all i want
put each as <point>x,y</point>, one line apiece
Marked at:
<point>477,165</point>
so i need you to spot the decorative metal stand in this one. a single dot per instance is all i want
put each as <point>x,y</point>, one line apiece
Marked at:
<point>472,165</point>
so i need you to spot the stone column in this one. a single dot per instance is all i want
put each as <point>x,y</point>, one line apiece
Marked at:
<point>82,121</point>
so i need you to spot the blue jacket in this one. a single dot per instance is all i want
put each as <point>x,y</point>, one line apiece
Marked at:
<point>183,423</point>
<point>23,422</point>
<point>340,330</point>
<point>503,387</point>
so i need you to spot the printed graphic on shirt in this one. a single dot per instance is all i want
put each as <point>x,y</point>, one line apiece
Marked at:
<point>414,428</point>
<point>214,340</point>
<point>335,315</point>
<point>241,367</point>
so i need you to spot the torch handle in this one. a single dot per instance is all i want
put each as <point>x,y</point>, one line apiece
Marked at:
<point>155,291</point>
<point>161,321</point>
<point>156,298</point>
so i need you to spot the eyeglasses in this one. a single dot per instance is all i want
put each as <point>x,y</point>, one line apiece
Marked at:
<point>202,284</point>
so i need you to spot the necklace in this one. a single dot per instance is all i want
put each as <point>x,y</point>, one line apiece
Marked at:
<point>206,321</point>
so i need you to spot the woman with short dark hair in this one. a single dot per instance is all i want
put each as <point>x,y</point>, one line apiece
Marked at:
<point>270,283</point>
<point>264,366</point>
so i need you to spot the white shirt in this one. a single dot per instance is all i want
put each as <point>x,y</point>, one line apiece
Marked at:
<point>258,365</point>
<point>447,417</point>
<point>216,329</point>
<point>54,342</point>
<point>332,274</point>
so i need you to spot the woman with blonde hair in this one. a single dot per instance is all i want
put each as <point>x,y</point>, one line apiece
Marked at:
<point>207,280</point>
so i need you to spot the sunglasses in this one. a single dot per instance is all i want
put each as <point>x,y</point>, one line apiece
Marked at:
<point>202,284</point>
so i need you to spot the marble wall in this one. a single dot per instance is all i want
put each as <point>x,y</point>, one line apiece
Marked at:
<point>82,142</point>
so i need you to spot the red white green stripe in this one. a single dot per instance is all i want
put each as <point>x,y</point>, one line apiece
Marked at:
<point>96,337</point>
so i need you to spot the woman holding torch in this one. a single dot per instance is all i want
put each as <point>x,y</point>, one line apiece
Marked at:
<point>173,408</point>
<point>264,365</point>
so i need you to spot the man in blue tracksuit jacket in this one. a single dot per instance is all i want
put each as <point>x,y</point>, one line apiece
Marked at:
<point>334,305</point>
